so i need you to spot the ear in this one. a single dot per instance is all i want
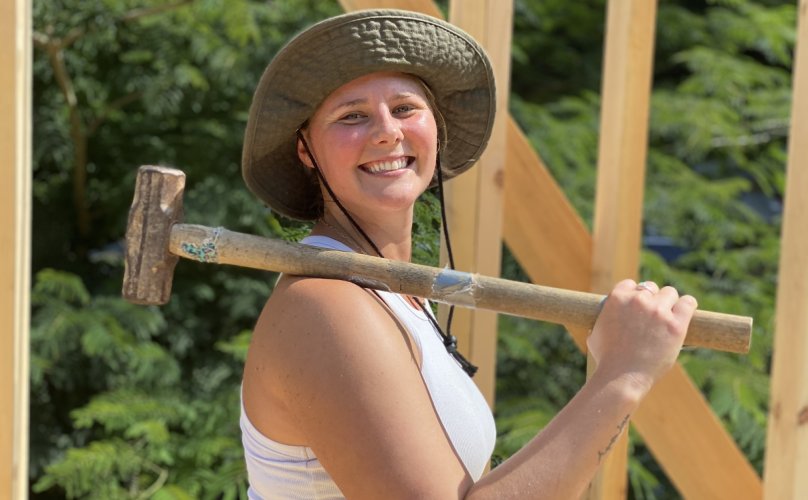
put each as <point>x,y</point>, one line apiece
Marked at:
<point>302,154</point>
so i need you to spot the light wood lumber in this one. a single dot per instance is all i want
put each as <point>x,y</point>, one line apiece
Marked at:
<point>564,240</point>
<point>537,256</point>
<point>15,218</point>
<point>690,443</point>
<point>474,200</point>
<point>425,6</point>
<point>786,465</point>
<point>617,230</point>
<point>626,93</point>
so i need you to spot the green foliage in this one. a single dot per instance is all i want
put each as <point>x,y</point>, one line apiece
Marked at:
<point>539,369</point>
<point>144,428</point>
<point>93,471</point>
<point>67,322</point>
<point>427,230</point>
<point>557,47</point>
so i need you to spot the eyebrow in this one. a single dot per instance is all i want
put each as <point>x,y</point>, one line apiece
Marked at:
<point>348,104</point>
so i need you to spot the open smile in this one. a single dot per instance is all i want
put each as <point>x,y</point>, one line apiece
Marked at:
<point>383,166</point>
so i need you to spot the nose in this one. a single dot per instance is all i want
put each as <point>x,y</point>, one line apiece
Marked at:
<point>387,129</point>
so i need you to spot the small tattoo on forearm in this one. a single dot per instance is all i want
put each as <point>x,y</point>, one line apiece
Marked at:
<point>620,428</point>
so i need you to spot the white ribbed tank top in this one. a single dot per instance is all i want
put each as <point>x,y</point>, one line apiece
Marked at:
<point>279,471</point>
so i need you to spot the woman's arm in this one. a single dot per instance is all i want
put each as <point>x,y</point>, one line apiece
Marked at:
<point>561,460</point>
<point>636,340</point>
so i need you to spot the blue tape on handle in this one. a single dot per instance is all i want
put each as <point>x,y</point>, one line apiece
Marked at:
<point>455,287</point>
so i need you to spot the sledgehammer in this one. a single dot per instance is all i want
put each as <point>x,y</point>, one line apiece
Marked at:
<point>156,238</point>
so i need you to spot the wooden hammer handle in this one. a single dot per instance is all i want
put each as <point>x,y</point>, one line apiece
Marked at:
<point>723,332</point>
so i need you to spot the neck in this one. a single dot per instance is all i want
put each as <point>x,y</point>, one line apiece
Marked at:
<point>391,235</point>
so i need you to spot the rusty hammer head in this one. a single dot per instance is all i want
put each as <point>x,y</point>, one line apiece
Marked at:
<point>157,205</point>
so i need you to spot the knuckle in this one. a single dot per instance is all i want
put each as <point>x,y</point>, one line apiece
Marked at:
<point>660,315</point>
<point>637,299</point>
<point>675,327</point>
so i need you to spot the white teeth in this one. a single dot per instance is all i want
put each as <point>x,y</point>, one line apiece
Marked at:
<point>386,166</point>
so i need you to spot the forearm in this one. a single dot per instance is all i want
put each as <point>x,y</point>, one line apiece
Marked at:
<point>561,460</point>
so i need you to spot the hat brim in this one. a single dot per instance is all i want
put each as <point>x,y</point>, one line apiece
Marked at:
<point>340,49</point>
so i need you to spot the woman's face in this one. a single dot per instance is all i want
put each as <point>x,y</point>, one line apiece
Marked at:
<point>375,140</point>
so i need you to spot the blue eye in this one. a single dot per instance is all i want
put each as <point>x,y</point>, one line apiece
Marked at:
<point>351,117</point>
<point>404,108</point>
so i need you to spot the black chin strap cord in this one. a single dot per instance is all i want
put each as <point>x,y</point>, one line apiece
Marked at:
<point>449,340</point>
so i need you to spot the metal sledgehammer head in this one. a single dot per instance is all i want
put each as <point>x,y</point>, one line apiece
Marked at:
<point>157,205</point>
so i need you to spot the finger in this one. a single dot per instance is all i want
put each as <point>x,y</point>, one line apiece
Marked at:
<point>667,297</point>
<point>622,290</point>
<point>648,286</point>
<point>626,285</point>
<point>684,308</point>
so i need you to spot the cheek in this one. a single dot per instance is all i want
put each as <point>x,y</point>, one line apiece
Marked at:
<point>427,135</point>
<point>338,147</point>
<point>426,131</point>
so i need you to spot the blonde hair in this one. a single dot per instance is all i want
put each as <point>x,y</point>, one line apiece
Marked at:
<point>433,106</point>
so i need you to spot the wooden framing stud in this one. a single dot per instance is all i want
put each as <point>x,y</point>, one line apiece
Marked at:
<point>15,262</point>
<point>787,440</point>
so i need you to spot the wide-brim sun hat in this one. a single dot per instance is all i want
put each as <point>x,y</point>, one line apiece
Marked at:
<point>340,49</point>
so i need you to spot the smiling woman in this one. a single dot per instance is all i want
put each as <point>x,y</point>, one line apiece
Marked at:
<point>349,392</point>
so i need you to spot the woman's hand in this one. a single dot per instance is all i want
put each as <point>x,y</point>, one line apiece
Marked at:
<point>636,339</point>
<point>640,331</point>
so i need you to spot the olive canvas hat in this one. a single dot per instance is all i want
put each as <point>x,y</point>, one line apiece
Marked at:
<point>340,49</point>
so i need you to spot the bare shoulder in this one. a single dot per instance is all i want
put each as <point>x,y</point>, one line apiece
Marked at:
<point>313,333</point>
<point>309,316</point>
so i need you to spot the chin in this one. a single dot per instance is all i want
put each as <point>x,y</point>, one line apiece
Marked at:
<point>396,205</point>
<point>391,202</point>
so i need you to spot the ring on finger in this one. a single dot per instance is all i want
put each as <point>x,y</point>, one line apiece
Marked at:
<point>645,285</point>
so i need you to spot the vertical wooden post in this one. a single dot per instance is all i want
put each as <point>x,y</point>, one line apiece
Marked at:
<point>474,200</point>
<point>15,192</point>
<point>786,467</point>
<point>625,97</point>
<point>424,6</point>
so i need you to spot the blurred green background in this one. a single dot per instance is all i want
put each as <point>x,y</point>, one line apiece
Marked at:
<point>139,402</point>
